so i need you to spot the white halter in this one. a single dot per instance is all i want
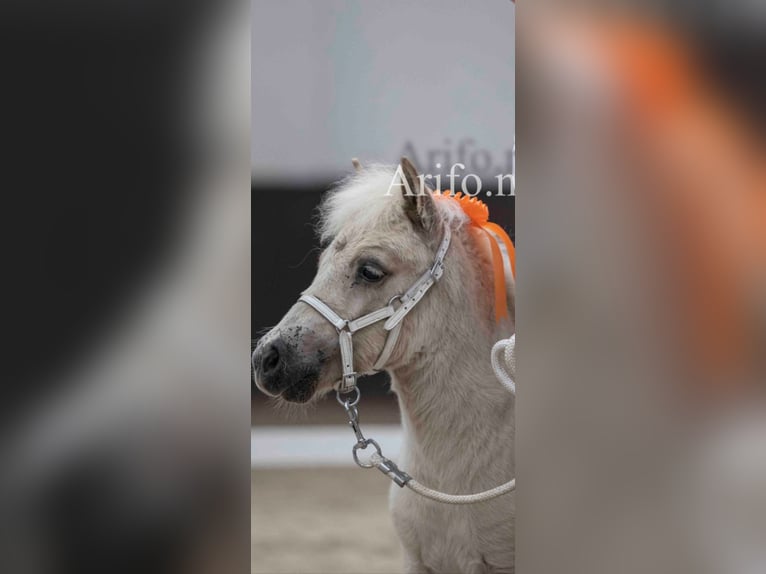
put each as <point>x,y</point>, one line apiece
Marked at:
<point>407,301</point>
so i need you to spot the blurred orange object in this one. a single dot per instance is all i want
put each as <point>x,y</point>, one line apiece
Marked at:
<point>478,212</point>
<point>706,204</point>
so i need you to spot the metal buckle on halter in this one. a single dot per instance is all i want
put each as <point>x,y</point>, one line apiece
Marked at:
<point>437,270</point>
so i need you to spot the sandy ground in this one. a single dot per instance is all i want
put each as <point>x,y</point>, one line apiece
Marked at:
<point>322,521</point>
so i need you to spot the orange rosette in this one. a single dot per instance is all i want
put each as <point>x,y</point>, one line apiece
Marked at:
<point>478,212</point>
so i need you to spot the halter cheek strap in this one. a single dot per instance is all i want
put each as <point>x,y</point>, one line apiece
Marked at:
<point>392,315</point>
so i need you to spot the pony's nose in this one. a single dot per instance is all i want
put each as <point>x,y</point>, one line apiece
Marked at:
<point>272,355</point>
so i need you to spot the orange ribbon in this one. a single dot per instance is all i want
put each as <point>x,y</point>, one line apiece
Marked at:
<point>478,212</point>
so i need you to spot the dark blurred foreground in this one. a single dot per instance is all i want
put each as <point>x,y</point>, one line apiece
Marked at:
<point>125,418</point>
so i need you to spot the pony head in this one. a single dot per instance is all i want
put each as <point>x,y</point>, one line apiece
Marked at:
<point>380,229</point>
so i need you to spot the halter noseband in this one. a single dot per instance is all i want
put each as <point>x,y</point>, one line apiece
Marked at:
<point>394,317</point>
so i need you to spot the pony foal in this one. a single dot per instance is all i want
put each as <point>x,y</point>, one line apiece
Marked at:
<point>458,421</point>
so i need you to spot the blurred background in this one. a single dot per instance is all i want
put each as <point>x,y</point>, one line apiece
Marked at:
<point>430,80</point>
<point>642,287</point>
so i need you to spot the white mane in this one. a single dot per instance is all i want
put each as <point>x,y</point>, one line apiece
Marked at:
<point>362,198</point>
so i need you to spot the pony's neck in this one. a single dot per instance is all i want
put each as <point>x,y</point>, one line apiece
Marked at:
<point>458,419</point>
<point>449,390</point>
<point>451,402</point>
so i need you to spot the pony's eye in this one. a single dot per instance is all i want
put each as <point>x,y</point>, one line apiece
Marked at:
<point>371,273</point>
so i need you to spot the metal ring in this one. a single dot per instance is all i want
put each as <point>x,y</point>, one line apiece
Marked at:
<point>345,402</point>
<point>394,298</point>
<point>363,445</point>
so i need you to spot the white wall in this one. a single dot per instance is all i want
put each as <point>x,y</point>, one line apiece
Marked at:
<point>332,79</point>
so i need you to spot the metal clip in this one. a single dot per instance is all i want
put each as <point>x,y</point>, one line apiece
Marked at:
<point>345,403</point>
<point>353,422</point>
<point>389,468</point>
<point>377,460</point>
<point>363,446</point>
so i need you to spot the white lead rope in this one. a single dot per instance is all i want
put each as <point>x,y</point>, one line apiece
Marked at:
<point>426,492</point>
<point>505,369</point>
<point>504,372</point>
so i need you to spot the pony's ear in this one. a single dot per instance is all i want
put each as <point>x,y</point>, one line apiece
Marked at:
<point>418,202</point>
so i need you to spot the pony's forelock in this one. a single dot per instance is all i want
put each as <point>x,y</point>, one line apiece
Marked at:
<point>367,198</point>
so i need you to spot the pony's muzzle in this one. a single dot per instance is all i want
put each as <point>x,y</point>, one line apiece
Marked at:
<point>284,366</point>
<point>271,358</point>
<point>268,361</point>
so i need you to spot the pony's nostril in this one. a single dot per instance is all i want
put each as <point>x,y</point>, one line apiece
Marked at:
<point>270,359</point>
